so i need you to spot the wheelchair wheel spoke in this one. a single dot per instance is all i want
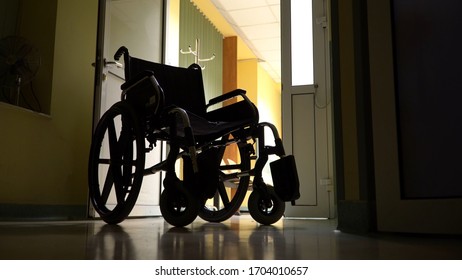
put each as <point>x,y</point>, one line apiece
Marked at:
<point>121,191</point>
<point>223,195</point>
<point>113,141</point>
<point>127,165</point>
<point>107,186</point>
<point>104,161</point>
<point>118,183</point>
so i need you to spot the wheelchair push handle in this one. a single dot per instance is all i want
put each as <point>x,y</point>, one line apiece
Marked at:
<point>121,51</point>
<point>124,51</point>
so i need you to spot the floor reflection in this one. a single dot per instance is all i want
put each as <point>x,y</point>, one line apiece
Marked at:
<point>229,240</point>
<point>238,238</point>
<point>111,242</point>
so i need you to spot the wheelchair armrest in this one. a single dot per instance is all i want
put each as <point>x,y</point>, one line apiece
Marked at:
<point>235,112</point>
<point>144,92</point>
<point>228,95</point>
<point>136,79</point>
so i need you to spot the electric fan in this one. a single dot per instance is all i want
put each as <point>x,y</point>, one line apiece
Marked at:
<point>19,63</point>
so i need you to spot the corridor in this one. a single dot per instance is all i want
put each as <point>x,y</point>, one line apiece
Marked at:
<point>239,238</point>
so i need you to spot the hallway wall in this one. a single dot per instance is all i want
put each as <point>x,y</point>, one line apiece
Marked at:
<point>43,163</point>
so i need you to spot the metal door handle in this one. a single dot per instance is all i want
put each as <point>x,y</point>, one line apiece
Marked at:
<point>110,63</point>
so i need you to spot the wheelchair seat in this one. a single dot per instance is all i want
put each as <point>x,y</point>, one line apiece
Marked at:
<point>183,88</point>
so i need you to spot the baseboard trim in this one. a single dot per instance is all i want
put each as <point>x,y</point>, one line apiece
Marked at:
<point>357,216</point>
<point>42,212</point>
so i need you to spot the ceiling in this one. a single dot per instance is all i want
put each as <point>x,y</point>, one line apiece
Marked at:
<point>257,23</point>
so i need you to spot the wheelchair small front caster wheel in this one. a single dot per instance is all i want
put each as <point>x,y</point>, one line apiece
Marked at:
<point>267,208</point>
<point>178,206</point>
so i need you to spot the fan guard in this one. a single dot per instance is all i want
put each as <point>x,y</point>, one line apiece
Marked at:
<point>19,61</point>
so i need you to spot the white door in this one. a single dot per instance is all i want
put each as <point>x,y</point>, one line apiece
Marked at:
<point>306,104</point>
<point>137,25</point>
<point>397,210</point>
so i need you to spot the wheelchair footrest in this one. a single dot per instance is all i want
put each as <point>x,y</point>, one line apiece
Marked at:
<point>285,178</point>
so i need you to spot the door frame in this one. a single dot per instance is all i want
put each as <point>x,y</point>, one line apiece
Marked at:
<point>99,62</point>
<point>394,214</point>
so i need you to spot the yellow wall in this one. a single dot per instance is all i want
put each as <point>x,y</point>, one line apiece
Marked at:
<point>247,78</point>
<point>261,89</point>
<point>44,158</point>
<point>269,99</point>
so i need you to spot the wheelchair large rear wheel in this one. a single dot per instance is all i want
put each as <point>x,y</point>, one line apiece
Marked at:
<point>231,190</point>
<point>116,163</point>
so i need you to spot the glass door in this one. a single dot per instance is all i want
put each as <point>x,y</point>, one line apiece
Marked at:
<point>306,104</point>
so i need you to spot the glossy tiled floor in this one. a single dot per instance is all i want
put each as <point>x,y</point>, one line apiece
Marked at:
<point>237,238</point>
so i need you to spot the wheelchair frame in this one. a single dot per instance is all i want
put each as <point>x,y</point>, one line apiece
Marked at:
<point>143,115</point>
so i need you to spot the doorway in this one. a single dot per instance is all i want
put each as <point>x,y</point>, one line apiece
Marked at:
<point>306,104</point>
<point>139,26</point>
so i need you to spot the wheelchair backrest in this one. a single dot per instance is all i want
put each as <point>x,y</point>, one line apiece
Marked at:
<point>182,87</point>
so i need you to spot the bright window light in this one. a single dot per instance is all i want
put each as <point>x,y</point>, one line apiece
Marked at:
<point>302,42</point>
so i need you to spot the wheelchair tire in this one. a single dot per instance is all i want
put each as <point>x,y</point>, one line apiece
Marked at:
<point>178,206</point>
<point>116,164</point>
<point>268,210</point>
<point>229,205</point>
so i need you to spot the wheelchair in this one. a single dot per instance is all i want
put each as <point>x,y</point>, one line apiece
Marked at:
<point>166,104</point>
